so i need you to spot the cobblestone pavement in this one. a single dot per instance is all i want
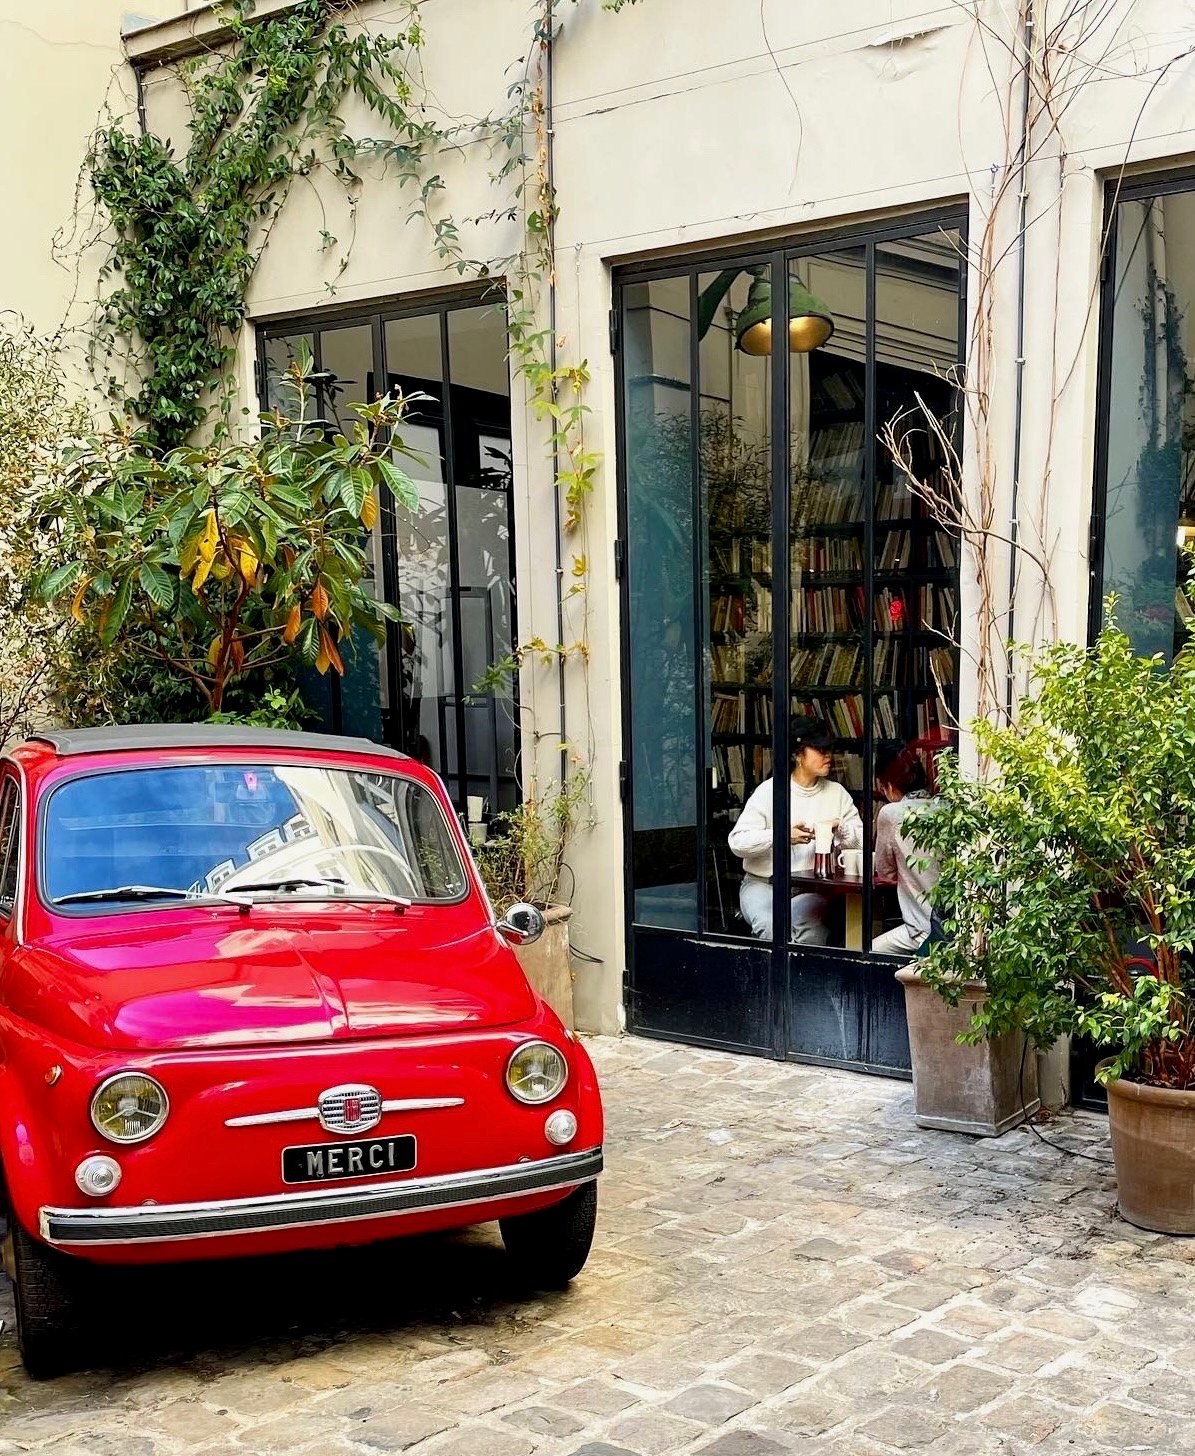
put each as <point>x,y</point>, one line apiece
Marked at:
<point>784,1263</point>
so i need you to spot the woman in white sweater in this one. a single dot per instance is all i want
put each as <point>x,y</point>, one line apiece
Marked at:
<point>814,798</point>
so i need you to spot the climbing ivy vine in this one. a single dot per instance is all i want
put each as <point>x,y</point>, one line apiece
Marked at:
<point>189,229</point>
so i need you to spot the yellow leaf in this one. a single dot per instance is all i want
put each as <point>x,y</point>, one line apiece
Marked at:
<point>369,511</point>
<point>322,661</point>
<point>77,599</point>
<point>202,570</point>
<point>188,557</point>
<point>580,565</point>
<point>213,652</point>
<point>329,651</point>
<point>319,602</point>
<point>293,622</point>
<point>248,564</point>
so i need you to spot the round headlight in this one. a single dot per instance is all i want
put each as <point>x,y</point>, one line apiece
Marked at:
<point>129,1108</point>
<point>536,1073</point>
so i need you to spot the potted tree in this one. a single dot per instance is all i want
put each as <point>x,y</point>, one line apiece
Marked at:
<point>1067,891</point>
<point>522,861</point>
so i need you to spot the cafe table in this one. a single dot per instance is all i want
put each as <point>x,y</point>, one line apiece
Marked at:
<point>848,888</point>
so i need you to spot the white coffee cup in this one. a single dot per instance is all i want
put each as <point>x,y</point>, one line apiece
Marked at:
<point>823,838</point>
<point>850,862</point>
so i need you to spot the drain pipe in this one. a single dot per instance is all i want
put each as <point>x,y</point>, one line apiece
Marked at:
<point>553,360</point>
<point>1027,29</point>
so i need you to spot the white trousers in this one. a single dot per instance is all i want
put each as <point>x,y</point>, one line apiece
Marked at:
<point>900,940</point>
<point>808,912</point>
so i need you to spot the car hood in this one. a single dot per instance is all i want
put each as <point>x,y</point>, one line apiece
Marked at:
<point>233,982</point>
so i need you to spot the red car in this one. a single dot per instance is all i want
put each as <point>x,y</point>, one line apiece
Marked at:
<point>253,999</point>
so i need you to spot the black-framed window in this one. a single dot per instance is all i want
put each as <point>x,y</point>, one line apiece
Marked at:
<point>1145,486</point>
<point>771,534</point>
<point>448,565</point>
<point>10,845</point>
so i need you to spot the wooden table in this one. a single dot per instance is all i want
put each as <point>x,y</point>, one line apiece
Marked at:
<point>850,889</point>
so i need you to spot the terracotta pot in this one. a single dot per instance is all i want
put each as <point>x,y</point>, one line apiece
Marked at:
<point>1153,1143</point>
<point>983,1090</point>
<point>547,966</point>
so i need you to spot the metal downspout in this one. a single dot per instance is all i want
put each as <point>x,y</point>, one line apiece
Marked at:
<point>550,224</point>
<point>1027,29</point>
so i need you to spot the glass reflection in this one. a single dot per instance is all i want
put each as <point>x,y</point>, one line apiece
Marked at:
<point>736,496</point>
<point>1150,504</point>
<point>663,669</point>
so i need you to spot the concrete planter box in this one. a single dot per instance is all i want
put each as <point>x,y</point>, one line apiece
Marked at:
<point>1153,1145</point>
<point>972,1089</point>
<point>547,966</point>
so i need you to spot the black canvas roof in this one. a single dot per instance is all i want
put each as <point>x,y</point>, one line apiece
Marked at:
<point>167,736</point>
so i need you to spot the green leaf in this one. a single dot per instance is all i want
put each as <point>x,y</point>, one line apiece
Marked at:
<point>61,579</point>
<point>116,611</point>
<point>308,641</point>
<point>156,585</point>
<point>402,487</point>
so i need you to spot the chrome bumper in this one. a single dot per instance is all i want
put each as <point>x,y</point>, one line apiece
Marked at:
<point>149,1223</point>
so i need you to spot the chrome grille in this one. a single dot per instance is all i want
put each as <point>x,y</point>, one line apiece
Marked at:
<point>351,1108</point>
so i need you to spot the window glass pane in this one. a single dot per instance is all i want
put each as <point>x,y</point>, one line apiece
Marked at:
<point>480,383</point>
<point>346,377</point>
<point>281,354</point>
<point>916,567</point>
<point>828,610</point>
<point>427,677</point>
<point>318,832</point>
<point>1151,424</point>
<point>10,818</point>
<point>663,671</point>
<point>736,570</point>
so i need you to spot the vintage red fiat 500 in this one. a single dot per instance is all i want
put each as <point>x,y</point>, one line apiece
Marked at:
<point>253,999</point>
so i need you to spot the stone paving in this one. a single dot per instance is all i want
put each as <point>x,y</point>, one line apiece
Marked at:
<point>784,1263</point>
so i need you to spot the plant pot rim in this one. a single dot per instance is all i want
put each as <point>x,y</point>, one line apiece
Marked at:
<point>1173,1097</point>
<point>911,976</point>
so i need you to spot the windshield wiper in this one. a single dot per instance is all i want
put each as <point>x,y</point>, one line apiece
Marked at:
<point>136,892</point>
<point>289,882</point>
<point>303,882</point>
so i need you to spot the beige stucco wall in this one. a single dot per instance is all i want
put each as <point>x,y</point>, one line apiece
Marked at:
<point>61,62</point>
<point>680,123</point>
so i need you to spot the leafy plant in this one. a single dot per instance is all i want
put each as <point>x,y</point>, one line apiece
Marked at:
<point>222,561</point>
<point>188,230</point>
<point>275,710</point>
<point>38,410</point>
<point>523,858</point>
<point>1068,870</point>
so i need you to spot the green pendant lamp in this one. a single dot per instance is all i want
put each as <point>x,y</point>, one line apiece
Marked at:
<point>809,320</point>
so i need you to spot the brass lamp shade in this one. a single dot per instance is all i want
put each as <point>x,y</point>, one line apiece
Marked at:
<point>809,321</point>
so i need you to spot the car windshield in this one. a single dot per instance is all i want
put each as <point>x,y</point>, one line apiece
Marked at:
<point>155,835</point>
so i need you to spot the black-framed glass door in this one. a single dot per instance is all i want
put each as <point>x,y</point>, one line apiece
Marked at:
<point>448,564</point>
<point>777,567</point>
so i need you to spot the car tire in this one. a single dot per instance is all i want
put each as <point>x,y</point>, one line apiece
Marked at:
<point>46,1286</point>
<point>549,1248</point>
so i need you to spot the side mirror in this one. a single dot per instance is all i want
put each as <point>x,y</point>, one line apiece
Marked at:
<point>521,925</point>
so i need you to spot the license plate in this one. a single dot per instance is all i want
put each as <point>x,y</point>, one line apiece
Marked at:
<point>369,1158</point>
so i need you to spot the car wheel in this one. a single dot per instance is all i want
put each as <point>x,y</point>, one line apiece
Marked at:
<point>549,1248</point>
<point>45,1283</point>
